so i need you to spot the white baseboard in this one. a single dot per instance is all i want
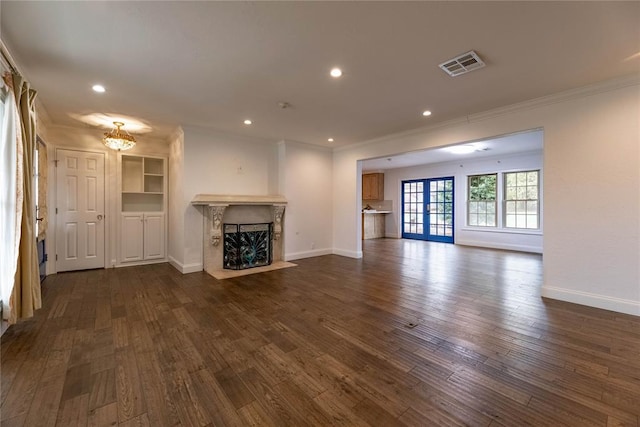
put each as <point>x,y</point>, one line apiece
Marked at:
<point>505,246</point>
<point>350,254</point>
<point>185,268</point>
<point>593,300</point>
<point>307,254</point>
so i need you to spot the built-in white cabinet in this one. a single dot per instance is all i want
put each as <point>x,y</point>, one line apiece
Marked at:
<point>142,236</point>
<point>143,184</point>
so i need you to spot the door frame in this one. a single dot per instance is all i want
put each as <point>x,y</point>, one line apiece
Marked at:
<point>52,190</point>
<point>425,212</point>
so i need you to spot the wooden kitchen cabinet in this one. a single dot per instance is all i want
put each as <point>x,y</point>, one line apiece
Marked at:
<point>373,186</point>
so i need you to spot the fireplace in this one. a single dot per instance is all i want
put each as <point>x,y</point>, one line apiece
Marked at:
<point>219,211</point>
<point>247,245</point>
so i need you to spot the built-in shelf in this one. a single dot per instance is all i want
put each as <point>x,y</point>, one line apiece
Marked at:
<point>143,183</point>
<point>142,202</point>
<point>142,210</point>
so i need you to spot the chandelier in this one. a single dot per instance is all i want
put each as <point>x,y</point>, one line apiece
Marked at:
<point>118,139</point>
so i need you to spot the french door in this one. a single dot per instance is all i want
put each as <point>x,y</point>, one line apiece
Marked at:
<point>427,209</point>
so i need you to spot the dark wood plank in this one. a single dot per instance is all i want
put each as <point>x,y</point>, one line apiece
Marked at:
<point>234,388</point>
<point>325,343</point>
<point>130,396</point>
<point>105,416</point>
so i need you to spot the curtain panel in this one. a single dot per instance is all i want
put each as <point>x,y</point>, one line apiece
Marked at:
<point>26,296</point>
<point>10,192</point>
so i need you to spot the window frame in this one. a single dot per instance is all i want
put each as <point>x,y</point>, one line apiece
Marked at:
<point>495,202</point>
<point>517,200</point>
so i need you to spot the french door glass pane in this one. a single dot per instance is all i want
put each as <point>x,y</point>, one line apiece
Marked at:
<point>428,209</point>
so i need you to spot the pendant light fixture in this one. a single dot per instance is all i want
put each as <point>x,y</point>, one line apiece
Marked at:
<point>118,139</point>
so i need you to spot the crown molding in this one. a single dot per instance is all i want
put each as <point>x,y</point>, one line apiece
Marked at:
<point>564,96</point>
<point>285,142</point>
<point>568,95</point>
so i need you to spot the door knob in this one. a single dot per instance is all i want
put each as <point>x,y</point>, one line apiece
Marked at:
<point>100,217</point>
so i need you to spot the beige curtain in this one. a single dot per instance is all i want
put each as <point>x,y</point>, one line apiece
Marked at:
<point>26,296</point>
<point>43,212</point>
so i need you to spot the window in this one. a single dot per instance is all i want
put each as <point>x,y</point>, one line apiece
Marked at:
<point>481,201</point>
<point>521,199</point>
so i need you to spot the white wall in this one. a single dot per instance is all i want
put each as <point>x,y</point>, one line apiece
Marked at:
<point>591,201</point>
<point>175,250</point>
<point>347,202</point>
<point>89,139</point>
<point>305,180</point>
<point>521,240</point>
<point>217,163</point>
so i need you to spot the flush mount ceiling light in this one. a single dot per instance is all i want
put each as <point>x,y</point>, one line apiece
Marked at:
<point>118,139</point>
<point>98,88</point>
<point>461,149</point>
<point>426,113</point>
<point>335,72</point>
<point>330,139</point>
<point>247,122</point>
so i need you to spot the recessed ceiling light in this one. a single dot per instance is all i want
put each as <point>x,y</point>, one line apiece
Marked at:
<point>426,113</point>
<point>247,122</point>
<point>336,72</point>
<point>98,88</point>
<point>461,149</point>
<point>330,139</point>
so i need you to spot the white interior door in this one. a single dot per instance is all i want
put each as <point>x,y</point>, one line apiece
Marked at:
<point>80,210</point>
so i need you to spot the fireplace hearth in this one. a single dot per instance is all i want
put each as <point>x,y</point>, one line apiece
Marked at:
<point>247,245</point>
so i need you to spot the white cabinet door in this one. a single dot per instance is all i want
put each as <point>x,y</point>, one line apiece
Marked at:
<point>153,235</point>
<point>131,237</point>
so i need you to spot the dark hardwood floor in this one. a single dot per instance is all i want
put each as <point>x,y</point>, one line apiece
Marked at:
<point>415,333</point>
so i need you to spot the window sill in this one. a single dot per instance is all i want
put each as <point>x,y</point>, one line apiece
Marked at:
<point>504,230</point>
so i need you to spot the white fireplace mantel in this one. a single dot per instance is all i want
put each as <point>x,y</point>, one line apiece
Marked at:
<point>215,207</point>
<point>228,200</point>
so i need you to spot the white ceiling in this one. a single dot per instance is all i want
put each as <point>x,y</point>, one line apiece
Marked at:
<point>213,64</point>
<point>506,145</point>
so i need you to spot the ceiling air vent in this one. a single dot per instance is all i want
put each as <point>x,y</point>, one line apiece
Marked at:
<point>462,64</point>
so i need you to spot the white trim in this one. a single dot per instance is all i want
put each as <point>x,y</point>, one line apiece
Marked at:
<point>285,142</point>
<point>349,254</point>
<point>592,300</point>
<point>497,245</point>
<point>307,254</point>
<point>230,199</point>
<point>185,268</point>
<point>530,232</point>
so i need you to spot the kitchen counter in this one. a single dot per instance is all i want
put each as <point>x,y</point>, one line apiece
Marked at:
<point>373,223</point>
